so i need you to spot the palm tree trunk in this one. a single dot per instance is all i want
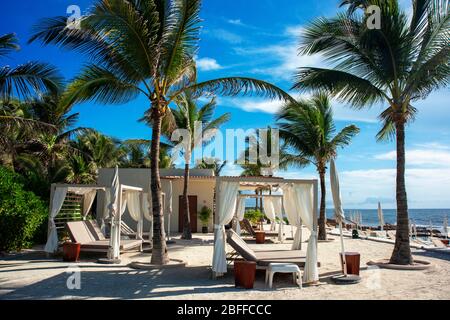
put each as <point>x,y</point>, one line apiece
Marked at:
<point>187,234</point>
<point>402,249</point>
<point>159,251</point>
<point>322,218</point>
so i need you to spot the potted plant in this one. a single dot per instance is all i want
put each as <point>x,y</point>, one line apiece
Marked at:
<point>204,216</point>
<point>71,250</point>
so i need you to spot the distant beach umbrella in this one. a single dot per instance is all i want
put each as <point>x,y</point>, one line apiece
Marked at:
<point>380,216</point>
<point>338,210</point>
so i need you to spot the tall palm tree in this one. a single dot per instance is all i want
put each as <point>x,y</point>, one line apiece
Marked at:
<point>187,114</point>
<point>398,65</point>
<point>27,79</point>
<point>142,48</point>
<point>307,126</point>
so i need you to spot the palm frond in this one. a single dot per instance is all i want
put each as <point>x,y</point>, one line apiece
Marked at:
<point>234,86</point>
<point>8,43</point>
<point>27,79</point>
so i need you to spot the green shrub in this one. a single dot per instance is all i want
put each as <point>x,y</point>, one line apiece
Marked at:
<point>204,215</point>
<point>21,213</point>
<point>253,216</point>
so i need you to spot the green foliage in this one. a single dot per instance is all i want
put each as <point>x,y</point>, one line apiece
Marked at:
<point>204,215</point>
<point>253,216</point>
<point>21,212</point>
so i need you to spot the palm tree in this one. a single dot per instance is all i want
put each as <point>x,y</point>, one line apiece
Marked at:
<point>138,154</point>
<point>186,116</point>
<point>307,126</point>
<point>27,79</point>
<point>216,165</point>
<point>398,65</point>
<point>142,48</point>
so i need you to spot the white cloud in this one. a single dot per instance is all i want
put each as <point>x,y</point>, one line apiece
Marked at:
<point>208,64</point>
<point>226,36</point>
<point>236,22</point>
<point>421,157</point>
<point>426,188</point>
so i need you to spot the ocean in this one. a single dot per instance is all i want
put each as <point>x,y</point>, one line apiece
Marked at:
<point>421,217</point>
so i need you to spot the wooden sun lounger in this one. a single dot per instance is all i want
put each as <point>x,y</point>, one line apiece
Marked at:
<point>264,258</point>
<point>89,235</point>
<point>248,227</point>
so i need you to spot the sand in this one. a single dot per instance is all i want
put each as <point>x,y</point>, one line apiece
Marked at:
<point>31,276</point>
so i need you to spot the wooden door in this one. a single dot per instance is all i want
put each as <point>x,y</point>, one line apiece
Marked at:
<point>192,213</point>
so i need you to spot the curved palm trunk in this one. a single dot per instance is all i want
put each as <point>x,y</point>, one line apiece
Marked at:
<point>159,252</point>
<point>402,250</point>
<point>187,234</point>
<point>322,216</point>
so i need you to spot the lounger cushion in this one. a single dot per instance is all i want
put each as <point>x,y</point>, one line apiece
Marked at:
<point>240,246</point>
<point>79,232</point>
<point>95,230</point>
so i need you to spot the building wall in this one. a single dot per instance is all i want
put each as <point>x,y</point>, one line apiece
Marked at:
<point>202,188</point>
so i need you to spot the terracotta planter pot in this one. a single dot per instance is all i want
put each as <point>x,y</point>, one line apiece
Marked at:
<point>353,262</point>
<point>260,237</point>
<point>244,274</point>
<point>71,251</point>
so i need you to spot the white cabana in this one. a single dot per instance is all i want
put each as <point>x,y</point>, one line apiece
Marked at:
<point>58,193</point>
<point>120,194</point>
<point>445,227</point>
<point>300,199</point>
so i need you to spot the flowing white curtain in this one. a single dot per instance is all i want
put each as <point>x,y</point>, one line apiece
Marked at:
<point>278,208</point>
<point>115,213</point>
<point>56,204</point>
<point>240,213</point>
<point>227,196</point>
<point>106,210</point>
<point>299,205</point>
<point>269,211</point>
<point>134,205</point>
<point>88,200</point>
<point>147,208</point>
<point>167,189</point>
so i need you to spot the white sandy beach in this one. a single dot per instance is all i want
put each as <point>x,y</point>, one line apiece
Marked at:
<point>31,276</point>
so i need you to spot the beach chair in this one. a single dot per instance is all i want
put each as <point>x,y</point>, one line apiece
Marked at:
<point>438,243</point>
<point>264,258</point>
<point>248,227</point>
<point>89,235</point>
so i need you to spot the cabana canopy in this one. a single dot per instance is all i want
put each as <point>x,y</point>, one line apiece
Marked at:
<point>58,193</point>
<point>300,201</point>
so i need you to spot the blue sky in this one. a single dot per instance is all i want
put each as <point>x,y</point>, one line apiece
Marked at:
<point>259,38</point>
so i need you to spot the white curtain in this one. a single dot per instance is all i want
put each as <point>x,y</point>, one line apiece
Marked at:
<point>106,210</point>
<point>88,200</point>
<point>278,208</point>
<point>148,211</point>
<point>114,242</point>
<point>240,212</point>
<point>167,189</point>
<point>299,205</point>
<point>227,196</point>
<point>269,211</point>
<point>56,204</point>
<point>134,203</point>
